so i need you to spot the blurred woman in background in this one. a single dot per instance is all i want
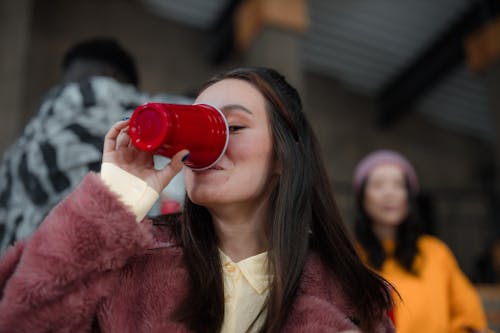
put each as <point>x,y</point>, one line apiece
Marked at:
<point>435,296</point>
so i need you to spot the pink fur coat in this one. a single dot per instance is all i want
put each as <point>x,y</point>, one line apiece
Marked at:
<point>87,270</point>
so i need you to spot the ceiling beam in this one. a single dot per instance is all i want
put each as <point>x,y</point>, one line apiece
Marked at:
<point>242,20</point>
<point>441,57</point>
<point>253,15</point>
<point>483,46</point>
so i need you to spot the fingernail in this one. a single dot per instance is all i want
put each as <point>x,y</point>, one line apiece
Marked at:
<point>185,157</point>
<point>126,118</point>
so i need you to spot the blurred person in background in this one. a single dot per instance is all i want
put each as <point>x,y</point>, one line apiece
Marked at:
<point>435,295</point>
<point>258,247</point>
<point>64,140</point>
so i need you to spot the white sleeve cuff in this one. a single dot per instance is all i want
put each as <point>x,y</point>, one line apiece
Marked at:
<point>132,191</point>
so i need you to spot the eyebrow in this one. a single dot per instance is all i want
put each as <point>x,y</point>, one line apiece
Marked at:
<point>230,107</point>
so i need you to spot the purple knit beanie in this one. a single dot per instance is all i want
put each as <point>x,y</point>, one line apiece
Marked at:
<point>379,157</point>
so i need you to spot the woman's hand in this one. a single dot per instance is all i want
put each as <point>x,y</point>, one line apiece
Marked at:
<point>119,150</point>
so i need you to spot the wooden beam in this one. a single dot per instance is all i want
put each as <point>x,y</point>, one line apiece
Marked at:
<point>288,14</point>
<point>482,47</point>
<point>253,15</point>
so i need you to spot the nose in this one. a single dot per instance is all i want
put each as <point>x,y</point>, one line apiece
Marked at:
<point>390,191</point>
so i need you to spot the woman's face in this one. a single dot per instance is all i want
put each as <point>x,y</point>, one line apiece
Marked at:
<point>243,174</point>
<point>386,196</point>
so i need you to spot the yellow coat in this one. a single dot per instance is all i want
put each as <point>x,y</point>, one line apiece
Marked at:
<point>440,299</point>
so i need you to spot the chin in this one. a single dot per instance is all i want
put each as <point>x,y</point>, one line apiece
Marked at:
<point>394,222</point>
<point>201,198</point>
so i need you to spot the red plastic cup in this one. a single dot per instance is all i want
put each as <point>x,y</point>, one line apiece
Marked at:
<point>165,129</point>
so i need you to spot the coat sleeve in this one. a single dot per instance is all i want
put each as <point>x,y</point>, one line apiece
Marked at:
<point>466,310</point>
<point>55,280</point>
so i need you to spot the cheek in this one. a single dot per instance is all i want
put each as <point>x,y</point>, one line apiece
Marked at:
<point>371,200</point>
<point>374,205</point>
<point>254,152</point>
<point>370,208</point>
<point>403,202</point>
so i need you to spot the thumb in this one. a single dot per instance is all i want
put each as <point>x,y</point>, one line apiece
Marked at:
<point>174,167</point>
<point>178,160</point>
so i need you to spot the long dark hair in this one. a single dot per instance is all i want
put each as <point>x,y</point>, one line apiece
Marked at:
<point>303,217</point>
<point>407,234</point>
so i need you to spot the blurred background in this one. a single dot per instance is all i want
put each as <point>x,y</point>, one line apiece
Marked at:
<point>420,77</point>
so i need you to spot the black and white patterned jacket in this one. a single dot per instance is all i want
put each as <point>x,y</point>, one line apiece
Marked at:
<point>58,147</point>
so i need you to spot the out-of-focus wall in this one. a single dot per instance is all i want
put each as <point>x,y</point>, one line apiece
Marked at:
<point>14,41</point>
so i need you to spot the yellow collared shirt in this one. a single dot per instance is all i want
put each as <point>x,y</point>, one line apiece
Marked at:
<point>245,292</point>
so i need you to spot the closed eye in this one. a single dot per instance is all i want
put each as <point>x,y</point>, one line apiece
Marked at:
<point>234,128</point>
